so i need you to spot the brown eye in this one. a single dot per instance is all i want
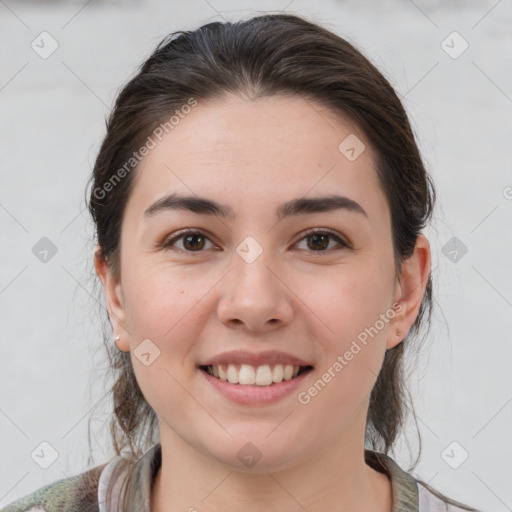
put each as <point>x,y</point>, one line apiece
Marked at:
<point>319,240</point>
<point>192,241</point>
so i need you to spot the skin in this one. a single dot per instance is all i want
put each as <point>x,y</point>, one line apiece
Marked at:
<point>254,156</point>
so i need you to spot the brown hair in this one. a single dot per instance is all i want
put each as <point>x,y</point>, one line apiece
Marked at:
<point>266,55</point>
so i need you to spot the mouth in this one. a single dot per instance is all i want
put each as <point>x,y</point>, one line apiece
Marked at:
<point>249,375</point>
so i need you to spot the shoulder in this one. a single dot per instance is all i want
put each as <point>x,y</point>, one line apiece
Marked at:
<point>409,493</point>
<point>428,501</point>
<point>75,494</point>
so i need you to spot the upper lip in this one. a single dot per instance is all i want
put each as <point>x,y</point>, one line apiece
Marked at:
<point>255,359</point>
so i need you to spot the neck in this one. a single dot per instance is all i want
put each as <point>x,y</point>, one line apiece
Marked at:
<point>337,479</point>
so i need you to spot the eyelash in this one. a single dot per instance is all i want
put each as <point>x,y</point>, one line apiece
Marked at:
<point>312,231</point>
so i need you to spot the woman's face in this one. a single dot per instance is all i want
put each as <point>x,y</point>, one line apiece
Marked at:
<point>257,283</point>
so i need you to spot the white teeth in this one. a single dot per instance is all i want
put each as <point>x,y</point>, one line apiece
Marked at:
<point>233,374</point>
<point>278,373</point>
<point>263,375</point>
<point>248,375</point>
<point>222,373</point>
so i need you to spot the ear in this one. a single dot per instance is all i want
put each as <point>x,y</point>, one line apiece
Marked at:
<point>409,291</point>
<point>114,297</point>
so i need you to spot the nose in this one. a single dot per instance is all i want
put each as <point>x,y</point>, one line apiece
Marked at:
<point>254,296</point>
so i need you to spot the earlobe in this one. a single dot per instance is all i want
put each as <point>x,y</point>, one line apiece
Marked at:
<point>410,291</point>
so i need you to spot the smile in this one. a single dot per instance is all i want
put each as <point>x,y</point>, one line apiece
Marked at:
<point>249,375</point>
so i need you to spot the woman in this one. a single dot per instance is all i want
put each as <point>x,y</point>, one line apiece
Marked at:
<point>258,200</point>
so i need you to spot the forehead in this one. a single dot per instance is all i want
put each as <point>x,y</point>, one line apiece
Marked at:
<point>258,153</point>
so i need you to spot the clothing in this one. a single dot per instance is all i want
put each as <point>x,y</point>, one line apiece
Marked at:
<point>87,492</point>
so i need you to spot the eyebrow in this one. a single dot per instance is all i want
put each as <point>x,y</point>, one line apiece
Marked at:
<point>204,206</point>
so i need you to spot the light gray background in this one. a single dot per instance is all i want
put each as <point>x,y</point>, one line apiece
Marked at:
<point>52,115</point>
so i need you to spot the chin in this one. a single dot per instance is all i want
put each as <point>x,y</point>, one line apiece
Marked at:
<point>256,455</point>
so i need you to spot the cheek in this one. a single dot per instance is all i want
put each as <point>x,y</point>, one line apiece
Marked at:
<point>164,305</point>
<point>351,312</point>
<point>347,302</point>
<point>165,324</point>
<point>163,317</point>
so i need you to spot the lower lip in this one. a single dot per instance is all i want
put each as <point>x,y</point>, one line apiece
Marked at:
<point>249,395</point>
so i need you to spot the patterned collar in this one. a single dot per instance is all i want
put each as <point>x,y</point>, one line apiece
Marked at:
<point>404,486</point>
